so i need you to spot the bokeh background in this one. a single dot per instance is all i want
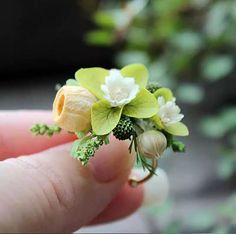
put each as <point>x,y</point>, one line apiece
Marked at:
<point>187,45</point>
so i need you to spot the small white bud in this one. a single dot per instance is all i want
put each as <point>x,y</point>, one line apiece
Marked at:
<point>152,143</point>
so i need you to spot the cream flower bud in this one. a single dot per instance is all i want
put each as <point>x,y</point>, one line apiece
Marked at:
<point>152,143</point>
<point>72,108</point>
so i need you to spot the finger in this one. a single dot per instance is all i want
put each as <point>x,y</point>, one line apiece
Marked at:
<point>55,193</point>
<point>126,202</point>
<point>16,138</point>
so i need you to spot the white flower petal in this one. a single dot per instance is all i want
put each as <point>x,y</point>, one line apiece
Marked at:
<point>119,90</point>
<point>169,112</point>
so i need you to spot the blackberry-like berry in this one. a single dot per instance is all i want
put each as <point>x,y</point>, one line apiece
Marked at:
<point>124,129</point>
<point>152,87</point>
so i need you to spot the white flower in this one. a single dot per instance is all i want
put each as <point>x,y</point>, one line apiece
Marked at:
<point>169,112</point>
<point>119,90</point>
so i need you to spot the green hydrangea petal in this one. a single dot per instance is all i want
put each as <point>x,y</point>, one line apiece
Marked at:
<point>177,129</point>
<point>72,82</point>
<point>165,92</point>
<point>138,71</point>
<point>143,106</point>
<point>91,79</point>
<point>104,117</point>
<point>157,122</point>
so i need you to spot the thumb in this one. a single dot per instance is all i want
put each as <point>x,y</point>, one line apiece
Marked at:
<point>50,191</point>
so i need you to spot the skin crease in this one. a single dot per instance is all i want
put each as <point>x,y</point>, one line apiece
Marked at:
<point>46,190</point>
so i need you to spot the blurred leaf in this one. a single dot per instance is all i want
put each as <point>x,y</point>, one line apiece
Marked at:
<point>173,227</point>
<point>99,37</point>
<point>104,19</point>
<point>233,139</point>
<point>164,28</point>
<point>217,20</point>
<point>128,57</point>
<point>201,221</point>
<point>218,125</point>
<point>187,41</point>
<point>212,127</point>
<point>221,230</point>
<point>181,61</point>
<point>189,93</point>
<point>217,67</point>
<point>135,6</point>
<point>160,210</point>
<point>233,9</point>
<point>228,208</point>
<point>199,3</point>
<point>122,19</point>
<point>159,72</point>
<point>167,6</point>
<point>137,37</point>
<point>226,168</point>
<point>228,118</point>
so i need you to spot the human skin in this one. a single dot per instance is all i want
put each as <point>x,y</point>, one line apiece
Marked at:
<point>43,189</point>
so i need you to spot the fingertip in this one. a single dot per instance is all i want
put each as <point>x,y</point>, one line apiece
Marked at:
<point>112,161</point>
<point>127,201</point>
<point>24,142</point>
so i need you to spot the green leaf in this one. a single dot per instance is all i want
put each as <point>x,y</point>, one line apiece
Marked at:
<point>100,37</point>
<point>72,82</point>
<point>92,79</point>
<point>138,71</point>
<point>212,127</point>
<point>177,129</point>
<point>104,117</point>
<point>80,135</point>
<point>190,93</point>
<point>165,92</point>
<point>104,19</point>
<point>187,41</point>
<point>143,106</point>
<point>217,67</point>
<point>178,146</point>
<point>74,148</point>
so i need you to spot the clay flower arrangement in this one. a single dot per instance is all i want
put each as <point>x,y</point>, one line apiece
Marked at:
<point>100,102</point>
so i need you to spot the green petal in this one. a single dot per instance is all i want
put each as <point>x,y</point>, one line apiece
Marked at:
<point>138,71</point>
<point>157,122</point>
<point>165,92</point>
<point>92,79</point>
<point>72,82</point>
<point>104,117</point>
<point>143,106</point>
<point>177,129</point>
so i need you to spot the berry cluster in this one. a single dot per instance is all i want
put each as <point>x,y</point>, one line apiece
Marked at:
<point>124,129</point>
<point>153,87</point>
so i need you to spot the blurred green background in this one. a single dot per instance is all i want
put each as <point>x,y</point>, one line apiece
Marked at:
<point>187,45</point>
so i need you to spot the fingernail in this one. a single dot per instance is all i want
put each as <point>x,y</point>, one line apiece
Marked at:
<point>156,189</point>
<point>111,161</point>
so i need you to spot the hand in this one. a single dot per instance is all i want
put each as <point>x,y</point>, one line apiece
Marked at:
<point>48,191</point>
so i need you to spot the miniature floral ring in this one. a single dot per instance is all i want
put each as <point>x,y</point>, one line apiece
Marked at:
<point>101,102</point>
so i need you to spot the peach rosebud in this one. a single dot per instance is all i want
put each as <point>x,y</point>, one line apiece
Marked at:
<point>72,108</point>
